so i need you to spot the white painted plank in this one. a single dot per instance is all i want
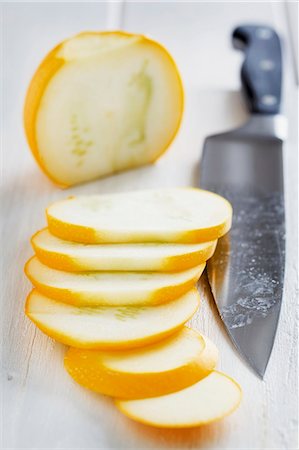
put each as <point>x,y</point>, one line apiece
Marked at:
<point>115,14</point>
<point>292,17</point>
<point>43,407</point>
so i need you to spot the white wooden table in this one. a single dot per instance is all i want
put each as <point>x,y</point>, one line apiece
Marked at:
<point>41,406</point>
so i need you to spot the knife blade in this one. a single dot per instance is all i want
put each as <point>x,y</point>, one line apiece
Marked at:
<point>245,165</point>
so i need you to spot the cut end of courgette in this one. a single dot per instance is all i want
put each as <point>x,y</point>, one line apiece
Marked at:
<point>101,103</point>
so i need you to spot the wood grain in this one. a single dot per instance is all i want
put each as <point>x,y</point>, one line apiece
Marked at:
<point>42,407</point>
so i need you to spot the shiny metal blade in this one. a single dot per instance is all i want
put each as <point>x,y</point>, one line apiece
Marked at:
<point>247,271</point>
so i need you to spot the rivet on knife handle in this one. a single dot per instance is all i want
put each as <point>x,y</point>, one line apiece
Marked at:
<point>262,68</point>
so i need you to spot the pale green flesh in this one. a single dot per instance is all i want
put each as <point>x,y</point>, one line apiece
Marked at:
<point>138,92</point>
<point>110,281</point>
<point>46,241</point>
<point>111,324</point>
<point>125,257</point>
<point>112,288</point>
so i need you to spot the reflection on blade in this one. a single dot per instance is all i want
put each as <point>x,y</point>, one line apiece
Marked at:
<point>246,273</point>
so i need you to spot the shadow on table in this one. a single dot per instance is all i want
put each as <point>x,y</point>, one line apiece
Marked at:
<point>204,436</point>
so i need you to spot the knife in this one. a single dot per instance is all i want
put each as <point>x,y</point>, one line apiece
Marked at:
<point>245,165</point>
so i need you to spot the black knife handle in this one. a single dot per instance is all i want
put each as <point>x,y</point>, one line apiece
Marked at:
<point>261,72</point>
